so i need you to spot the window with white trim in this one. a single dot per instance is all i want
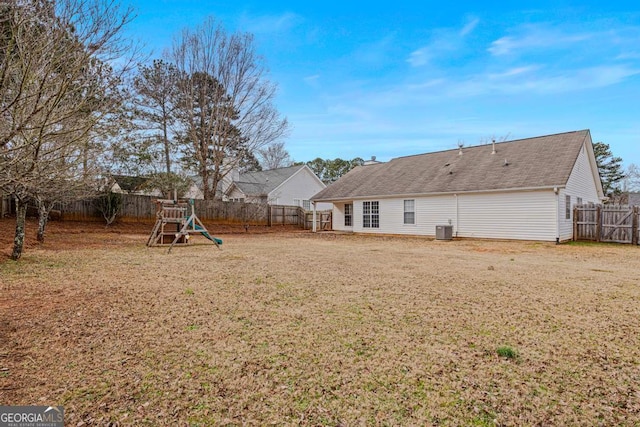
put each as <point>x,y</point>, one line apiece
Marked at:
<point>371,214</point>
<point>567,207</point>
<point>306,204</point>
<point>410,211</point>
<point>348,215</point>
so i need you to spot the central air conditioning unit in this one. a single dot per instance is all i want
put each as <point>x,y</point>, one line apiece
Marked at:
<point>444,232</point>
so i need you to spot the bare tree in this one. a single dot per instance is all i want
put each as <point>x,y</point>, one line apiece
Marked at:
<point>57,79</point>
<point>632,179</point>
<point>274,156</point>
<point>225,109</point>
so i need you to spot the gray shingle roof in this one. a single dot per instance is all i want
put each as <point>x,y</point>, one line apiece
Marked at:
<point>263,182</point>
<point>544,161</point>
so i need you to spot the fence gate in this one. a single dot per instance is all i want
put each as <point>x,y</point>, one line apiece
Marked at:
<point>610,223</point>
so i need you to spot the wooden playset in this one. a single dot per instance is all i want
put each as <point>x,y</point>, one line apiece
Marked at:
<point>176,221</point>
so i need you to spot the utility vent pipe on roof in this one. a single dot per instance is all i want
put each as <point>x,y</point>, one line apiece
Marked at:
<point>373,161</point>
<point>493,144</point>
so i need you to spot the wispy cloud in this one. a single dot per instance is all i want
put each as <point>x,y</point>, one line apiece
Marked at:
<point>534,37</point>
<point>312,80</point>
<point>270,23</point>
<point>526,81</point>
<point>375,53</point>
<point>471,25</point>
<point>443,41</point>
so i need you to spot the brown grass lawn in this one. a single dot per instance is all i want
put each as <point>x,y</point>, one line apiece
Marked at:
<point>292,328</point>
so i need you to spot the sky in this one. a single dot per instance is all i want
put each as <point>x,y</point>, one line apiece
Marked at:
<point>389,79</point>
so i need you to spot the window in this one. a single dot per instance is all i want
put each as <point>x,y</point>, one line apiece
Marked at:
<point>370,215</point>
<point>579,201</point>
<point>348,213</point>
<point>409,211</point>
<point>296,202</point>
<point>567,207</point>
<point>306,204</point>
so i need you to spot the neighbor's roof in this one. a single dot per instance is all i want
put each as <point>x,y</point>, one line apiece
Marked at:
<point>544,161</point>
<point>130,183</point>
<point>264,182</point>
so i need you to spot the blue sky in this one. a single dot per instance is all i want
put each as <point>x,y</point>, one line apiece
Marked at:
<point>398,78</point>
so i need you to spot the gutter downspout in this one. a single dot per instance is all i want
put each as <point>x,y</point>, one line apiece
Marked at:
<point>457,215</point>
<point>313,227</point>
<point>557,193</point>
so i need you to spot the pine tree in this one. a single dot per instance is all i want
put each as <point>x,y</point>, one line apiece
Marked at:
<point>609,167</point>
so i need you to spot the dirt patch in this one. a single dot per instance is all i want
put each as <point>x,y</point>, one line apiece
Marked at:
<point>292,328</point>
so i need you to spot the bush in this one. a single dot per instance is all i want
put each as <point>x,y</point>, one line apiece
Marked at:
<point>109,205</point>
<point>507,352</point>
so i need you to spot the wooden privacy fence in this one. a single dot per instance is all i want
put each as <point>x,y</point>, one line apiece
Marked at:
<point>323,221</point>
<point>142,208</point>
<point>286,215</point>
<point>607,223</point>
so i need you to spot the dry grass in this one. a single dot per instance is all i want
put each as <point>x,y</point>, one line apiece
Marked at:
<point>302,329</point>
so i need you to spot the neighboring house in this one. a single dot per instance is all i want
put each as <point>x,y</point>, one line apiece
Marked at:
<point>292,186</point>
<point>125,184</point>
<point>523,189</point>
<point>633,199</point>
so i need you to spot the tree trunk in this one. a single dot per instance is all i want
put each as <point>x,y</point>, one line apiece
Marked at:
<point>18,241</point>
<point>167,148</point>
<point>206,191</point>
<point>43,218</point>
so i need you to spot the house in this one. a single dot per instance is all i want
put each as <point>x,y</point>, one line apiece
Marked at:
<point>523,189</point>
<point>292,186</point>
<point>125,184</point>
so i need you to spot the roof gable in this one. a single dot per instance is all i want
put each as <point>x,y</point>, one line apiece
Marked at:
<point>544,161</point>
<point>130,183</point>
<point>261,183</point>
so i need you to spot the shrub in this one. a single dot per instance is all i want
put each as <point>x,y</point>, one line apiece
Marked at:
<point>507,352</point>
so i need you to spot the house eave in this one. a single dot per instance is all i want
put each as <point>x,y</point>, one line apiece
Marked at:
<point>444,193</point>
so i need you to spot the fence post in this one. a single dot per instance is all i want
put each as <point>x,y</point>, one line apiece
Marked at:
<point>575,223</point>
<point>634,225</point>
<point>598,222</point>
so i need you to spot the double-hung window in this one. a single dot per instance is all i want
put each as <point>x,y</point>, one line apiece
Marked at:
<point>409,211</point>
<point>371,214</point>
<point>567,207</point>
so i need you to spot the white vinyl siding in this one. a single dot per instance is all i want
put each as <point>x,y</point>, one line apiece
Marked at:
<point>298,189</point>
<point>580,184</point>
<point>339,222</point>
<point>526,215</point>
